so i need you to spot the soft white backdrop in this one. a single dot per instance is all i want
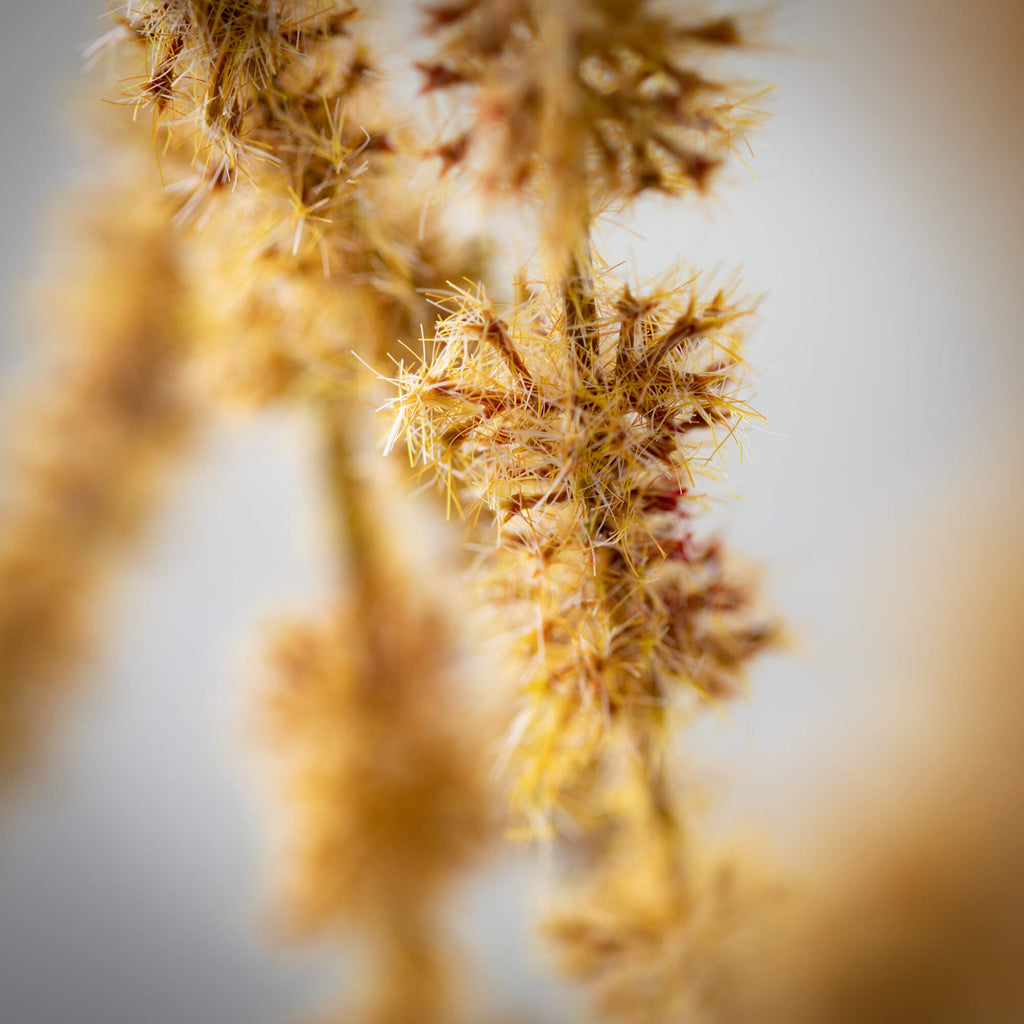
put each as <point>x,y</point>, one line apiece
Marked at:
<point>883,221</point>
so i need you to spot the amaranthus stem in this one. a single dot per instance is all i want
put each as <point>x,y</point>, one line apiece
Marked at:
<point>581,314</point>
<point>356,537</point>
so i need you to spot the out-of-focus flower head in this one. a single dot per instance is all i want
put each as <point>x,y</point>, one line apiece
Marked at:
<point>383,795</point>
<point>651,922</point>
<point>91,457</point>
<point>590,101</point>
<point>306,239</point>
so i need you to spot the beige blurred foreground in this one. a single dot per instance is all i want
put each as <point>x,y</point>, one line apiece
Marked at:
<point>914,909</point>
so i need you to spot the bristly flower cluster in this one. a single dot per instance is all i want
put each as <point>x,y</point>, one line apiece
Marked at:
<point>212,66</point>
<point>586,433</point>
<point>319,246</point>
<point>591,100</point>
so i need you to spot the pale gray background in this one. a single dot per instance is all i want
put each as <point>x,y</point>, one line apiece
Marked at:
<point>885,224</point>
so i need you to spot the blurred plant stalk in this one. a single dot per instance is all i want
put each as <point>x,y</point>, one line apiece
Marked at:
<point>581,425</point>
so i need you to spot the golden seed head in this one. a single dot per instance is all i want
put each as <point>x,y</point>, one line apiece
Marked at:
<point>595,434</point>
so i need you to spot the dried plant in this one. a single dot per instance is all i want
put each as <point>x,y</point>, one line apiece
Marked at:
<point>585,431</point>
<point>581,427</point>
<point>584,418</point>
